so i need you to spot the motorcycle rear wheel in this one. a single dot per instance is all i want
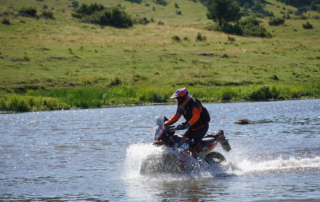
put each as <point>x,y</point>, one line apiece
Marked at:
<point>215,157</point>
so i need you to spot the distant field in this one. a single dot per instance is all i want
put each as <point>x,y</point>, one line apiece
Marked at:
<point>74,64</point>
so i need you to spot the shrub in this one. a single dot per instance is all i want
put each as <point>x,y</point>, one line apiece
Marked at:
<point>30,11</point>
<point>135,1</point>
<point>6,21</point>
<point>98,14</point>
<point>231,39</point>
<point>274,77</point>
<point>161,2</point>
<point>307,25</point>
<point>75,4</point>
<point>264,93</point>
<point>115,82</point>
<point>22,106</point>
<point>247,27</point>
<point>200,37</point>
<point>3,105</point>
<point>176,5</point>
<point>26,58</point>
<point>160,23</point>
<point>176,38</point>
<point>113,16</point>
<point>247,6</point>
<point>45,6</point>
<point>12,102</point>
<point>179,12</point>
<point>276,21</point>
<point>85,9</point>
<point>300,11</point>
<point>77,15</point>
<point>142,21</point>
<point>48,14</point>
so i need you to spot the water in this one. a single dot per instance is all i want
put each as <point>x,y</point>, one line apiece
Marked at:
<point>95,154</point>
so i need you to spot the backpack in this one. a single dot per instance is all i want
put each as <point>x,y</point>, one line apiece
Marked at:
<point>205,116</point>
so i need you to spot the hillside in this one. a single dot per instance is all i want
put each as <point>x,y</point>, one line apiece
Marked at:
<point>75,64</point>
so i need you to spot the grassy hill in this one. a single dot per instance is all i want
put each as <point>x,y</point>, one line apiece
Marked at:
<point>63,63</point>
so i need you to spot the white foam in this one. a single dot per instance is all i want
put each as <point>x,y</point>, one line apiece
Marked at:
<point>277,165</point>
<point>234,165</point>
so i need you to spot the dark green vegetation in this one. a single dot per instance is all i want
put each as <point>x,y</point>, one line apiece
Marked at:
<point>223,11</point>
<point>275,21</point>
<point>98,14</point>
<point>62,63</point>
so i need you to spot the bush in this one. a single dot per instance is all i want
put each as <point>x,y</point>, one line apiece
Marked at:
<point>161,2</point>
<point>274,77</point>
<point>176,38</point>
<point>48,14</point>
<point>135,1</point>
<point>115,82</point>
<point>6,21</point>
<point>3,105</point>
<point>75,4</point>
<point>231,39</point>
<point>98,14</point>
<point>300,11</point>
<point>276,21</point>
<point>22,106</point>
<point>264,93</point>
<point>30,11</point>
<point>307,25</point>
<point>200,37</point>
<point>77,15</point>
<point>248,27</point>
<point>142,21</point>
<point>85,9</point>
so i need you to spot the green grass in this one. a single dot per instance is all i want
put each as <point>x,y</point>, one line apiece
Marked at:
<point>72,64</point>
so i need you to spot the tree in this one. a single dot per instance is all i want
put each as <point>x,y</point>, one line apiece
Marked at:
<point>313,6</point>
<point>223,11</point>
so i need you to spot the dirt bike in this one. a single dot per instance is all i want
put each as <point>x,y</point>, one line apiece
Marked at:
<point>178,153</point>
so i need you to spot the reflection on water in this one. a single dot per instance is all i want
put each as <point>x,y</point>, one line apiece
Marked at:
<point>96,155</point>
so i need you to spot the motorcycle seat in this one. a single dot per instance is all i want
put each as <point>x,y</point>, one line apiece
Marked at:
<point>207,141</point>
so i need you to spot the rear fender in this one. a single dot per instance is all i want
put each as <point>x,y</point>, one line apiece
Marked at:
<point>210,147</point>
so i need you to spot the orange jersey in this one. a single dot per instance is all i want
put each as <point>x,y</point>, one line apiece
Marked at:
<point>191,118</point>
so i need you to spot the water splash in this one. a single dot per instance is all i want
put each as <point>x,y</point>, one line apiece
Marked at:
<point>137,153</point>
<point>277,165</point>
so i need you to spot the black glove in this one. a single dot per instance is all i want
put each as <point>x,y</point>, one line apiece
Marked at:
<point>182,126</point>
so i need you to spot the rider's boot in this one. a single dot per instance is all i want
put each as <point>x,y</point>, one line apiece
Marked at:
<point>201,156</point>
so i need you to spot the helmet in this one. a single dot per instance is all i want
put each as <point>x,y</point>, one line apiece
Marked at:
<point>182,92</point>
<point>182,96</point>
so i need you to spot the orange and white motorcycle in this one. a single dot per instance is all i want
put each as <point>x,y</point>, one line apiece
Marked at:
<point>177,149</point>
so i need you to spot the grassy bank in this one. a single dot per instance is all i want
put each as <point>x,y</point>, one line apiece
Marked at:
<point>63,63</point>
<point>88,98</point>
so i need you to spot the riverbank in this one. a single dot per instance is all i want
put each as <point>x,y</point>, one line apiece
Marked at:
<point>63,63</point>
<point>125,96</point>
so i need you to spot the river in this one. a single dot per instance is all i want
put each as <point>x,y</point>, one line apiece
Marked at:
<point>95,154</point>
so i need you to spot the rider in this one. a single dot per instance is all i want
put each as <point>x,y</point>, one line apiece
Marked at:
<point>197,120</point>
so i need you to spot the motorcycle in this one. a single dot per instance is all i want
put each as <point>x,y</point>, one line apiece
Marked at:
<point>176,157</point>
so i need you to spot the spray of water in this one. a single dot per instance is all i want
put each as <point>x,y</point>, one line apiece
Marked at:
<point>137,153</point>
